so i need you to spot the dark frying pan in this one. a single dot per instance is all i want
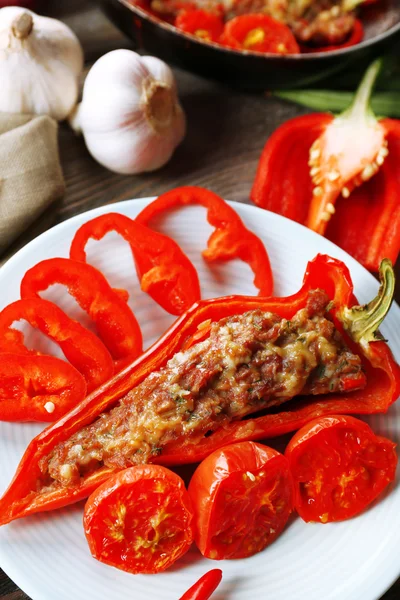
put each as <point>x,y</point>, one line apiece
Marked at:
<point>248,69</point>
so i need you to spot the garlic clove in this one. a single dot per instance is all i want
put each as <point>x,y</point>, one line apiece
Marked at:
<point>40,62</point>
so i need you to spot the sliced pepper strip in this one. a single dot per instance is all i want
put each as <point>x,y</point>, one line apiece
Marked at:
<point>116,325</point>
<point>38,388</point>
<point>81,347</point>
<point>204,587</point>
<point>338,177</point>
<point>331,275</point>
<point>231,239</point>
<point>164,271</point>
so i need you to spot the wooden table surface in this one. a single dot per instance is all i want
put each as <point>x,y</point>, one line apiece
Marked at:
<point>226,132</point>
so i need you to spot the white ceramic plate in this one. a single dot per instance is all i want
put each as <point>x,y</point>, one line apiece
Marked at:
<point>47,555</point>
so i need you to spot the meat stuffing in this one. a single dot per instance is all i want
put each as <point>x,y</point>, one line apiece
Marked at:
<point>249,362</point>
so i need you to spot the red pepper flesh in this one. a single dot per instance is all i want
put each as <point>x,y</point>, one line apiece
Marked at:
<point>331,275</point>
<point>116,325</point>
<point>366,224</point>
<point>164,271</point>
<point>38,388</point>
<point>81,347</point>
<point>231,239</point>
<point>204,587</point>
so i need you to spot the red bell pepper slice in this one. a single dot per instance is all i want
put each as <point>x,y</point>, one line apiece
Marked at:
<point>382,389</point>
<point>204,587</point>
<point>355,37</point>
<point>38,388</point>
<point>202,24</point>
<point>231,239</point>
<point>259,33</point>
<point>338,176</point>
<point>164,271</point>
<point>81,347</point>
<point>116,325</point>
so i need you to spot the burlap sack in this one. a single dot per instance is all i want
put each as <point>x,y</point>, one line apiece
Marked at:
<point>30,173</point>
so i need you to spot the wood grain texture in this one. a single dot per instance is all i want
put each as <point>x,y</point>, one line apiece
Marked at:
<point>226,132</point>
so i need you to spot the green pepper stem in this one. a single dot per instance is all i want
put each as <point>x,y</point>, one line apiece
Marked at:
<point>362,322</point>
<point>360,107</point>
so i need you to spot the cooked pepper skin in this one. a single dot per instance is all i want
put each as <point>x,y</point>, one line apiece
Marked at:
<point>84,350</point>
<point>28,383</point>
<point>164,271</point>
<point>331,275</point>
<point>116,325</point>
<point>231,239</point>
<point>367,224</point>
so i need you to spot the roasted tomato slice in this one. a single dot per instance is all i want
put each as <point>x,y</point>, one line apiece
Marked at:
<point>259,33</point>
<point>200,23</point>
<point>242,499</point>
<point>339,466</point>
<point>139,520</point>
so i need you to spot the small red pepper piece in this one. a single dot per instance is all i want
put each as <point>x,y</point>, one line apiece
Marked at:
<point>231,239</point>
<point>164,271</point>
<point>116,325</point>
<point>338,176</point>
<point>360,323</point>
<point>354,38</point>
<point>259,33</point>
<point>202,24</point>
<point>81,347</point>
<point>204,587</point>
<point>38,388</point>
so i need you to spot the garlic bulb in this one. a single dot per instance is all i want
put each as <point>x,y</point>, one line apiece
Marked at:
<point>40,61</point>
<point>130,115</point>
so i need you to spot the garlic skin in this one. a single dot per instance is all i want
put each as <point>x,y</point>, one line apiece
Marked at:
<point>130,114</point>
<point>40,62</point>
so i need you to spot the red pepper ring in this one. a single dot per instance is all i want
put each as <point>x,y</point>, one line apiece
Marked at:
<point>164,271</point>
<point>355,37</point>
<point>38,388</point>
<point>116,325</point>
<point>231,239</point>
<point>331,275</point>
<point>81,347</point>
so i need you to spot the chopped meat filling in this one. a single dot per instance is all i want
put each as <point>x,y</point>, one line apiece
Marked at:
<point>249,362</point>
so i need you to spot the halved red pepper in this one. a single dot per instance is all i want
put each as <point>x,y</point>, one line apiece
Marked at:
<point>358,325</point>
<point>38,388</point>
<point>116,325</point>
<point>354,38</point>
<point>338,176</point>
<point>202,24</point>
<point>164,271</point>
<point>81,347</point>
<point>231,239</point>
<point>259,33</point>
